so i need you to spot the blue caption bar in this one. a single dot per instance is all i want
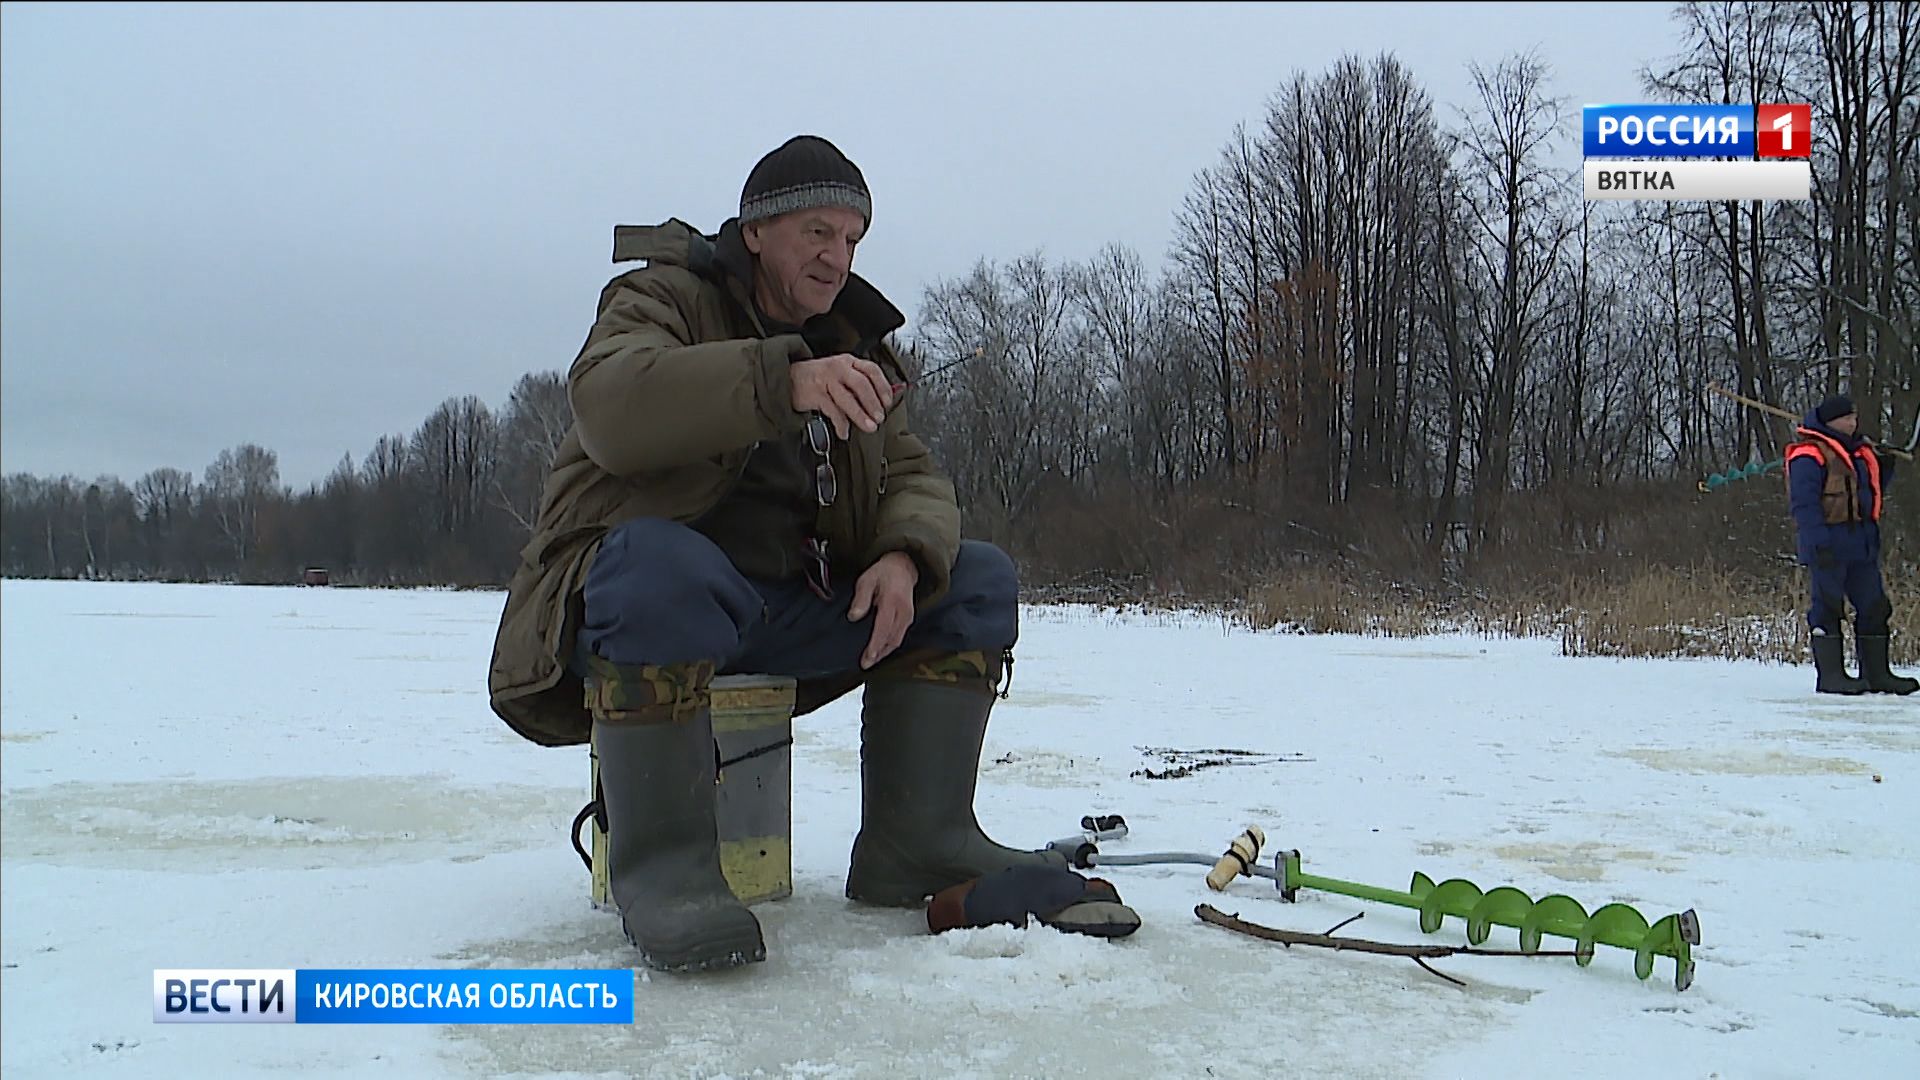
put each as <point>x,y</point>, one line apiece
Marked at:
<point>1667,131</point>
<point>443,996</point>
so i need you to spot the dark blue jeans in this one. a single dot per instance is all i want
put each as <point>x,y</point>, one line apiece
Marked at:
<point>660,593</point>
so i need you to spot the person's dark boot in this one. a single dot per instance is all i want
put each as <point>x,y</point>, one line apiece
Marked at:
<point>1874,668</point>
<point>653,730</point>
<point>922,724</point>
<point>1830,661</point>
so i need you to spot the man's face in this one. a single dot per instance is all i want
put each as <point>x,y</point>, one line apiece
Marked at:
<point>804,260</point>
<point>1845,425</point>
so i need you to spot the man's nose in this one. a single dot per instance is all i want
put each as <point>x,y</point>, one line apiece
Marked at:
<point>837,257</point>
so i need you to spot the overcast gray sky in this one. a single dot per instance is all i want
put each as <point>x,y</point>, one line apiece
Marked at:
<point>307,226</point>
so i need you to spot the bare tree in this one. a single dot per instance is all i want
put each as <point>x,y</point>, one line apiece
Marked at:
<point>1446,309</point>
<point>536,419</point>
<point>1116,300</point>
<point>1202,251</point>
<point>163,501</point>
<point>392,532</point>
<point>454,455</point>
<point>238,484</point>
<point>1735,52</point>
<point>1516,240</point>
<point>1867,123</point>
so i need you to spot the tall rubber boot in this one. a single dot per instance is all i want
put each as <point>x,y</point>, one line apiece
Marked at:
<point>1873,666</point>
<point>653,730</point>
<point>1830,661</point>
<point>922,724</point>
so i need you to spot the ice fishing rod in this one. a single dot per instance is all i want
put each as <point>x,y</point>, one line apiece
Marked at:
<point>1616,925</point>
<point>1754,403</point>
<point>950,365</point>
<point>917,380</point>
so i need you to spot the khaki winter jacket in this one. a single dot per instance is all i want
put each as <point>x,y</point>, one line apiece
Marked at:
<point>677,381</point>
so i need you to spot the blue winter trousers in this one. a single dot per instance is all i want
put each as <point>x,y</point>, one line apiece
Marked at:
<point>1841,580</point>
<point>660,593</point>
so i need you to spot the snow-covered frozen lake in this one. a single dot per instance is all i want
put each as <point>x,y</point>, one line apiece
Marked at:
<point>206,776</point>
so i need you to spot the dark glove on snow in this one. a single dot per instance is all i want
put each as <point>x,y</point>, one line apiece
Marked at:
<point>1056,896</point>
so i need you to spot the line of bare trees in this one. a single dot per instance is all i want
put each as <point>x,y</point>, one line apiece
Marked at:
<point>1378,329</point>
<point>1419,322</point>
<point>450,504</point>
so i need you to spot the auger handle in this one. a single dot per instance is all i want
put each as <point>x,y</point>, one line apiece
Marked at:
<point>1775,410</point>
<point>1077,849</point>
<point>1240,857</point>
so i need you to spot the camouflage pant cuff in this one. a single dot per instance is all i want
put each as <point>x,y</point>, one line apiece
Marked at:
<point>647,693</point>
<point>974,669</point>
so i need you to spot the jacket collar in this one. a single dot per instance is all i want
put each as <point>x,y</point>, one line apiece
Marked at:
<point>861,317</point>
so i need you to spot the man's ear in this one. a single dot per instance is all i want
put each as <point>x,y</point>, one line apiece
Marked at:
<point>751,235</point>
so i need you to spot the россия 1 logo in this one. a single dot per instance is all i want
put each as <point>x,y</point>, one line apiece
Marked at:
<point>1681,151</point>
<point>1783,131</point>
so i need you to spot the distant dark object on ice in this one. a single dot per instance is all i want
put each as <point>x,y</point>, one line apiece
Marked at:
<point>1187,762</point>
<point>314,575</point>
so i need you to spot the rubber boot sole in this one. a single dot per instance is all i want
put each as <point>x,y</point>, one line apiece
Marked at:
<point>711,949</point>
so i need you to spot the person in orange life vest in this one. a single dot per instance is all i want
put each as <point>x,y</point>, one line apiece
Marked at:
<point>1836,483</point>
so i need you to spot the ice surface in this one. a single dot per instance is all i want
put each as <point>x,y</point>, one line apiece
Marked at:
<point>200,776</point>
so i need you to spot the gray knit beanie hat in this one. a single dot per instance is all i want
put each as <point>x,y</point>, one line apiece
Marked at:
<point>804,173</point>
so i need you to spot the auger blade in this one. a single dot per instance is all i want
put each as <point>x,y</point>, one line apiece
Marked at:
<point>1615,925</point>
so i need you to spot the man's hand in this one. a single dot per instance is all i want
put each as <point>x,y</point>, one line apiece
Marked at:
<point>886,589</point>
<point>843,388</point>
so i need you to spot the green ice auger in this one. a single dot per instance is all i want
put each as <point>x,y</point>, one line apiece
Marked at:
<point>1617,925</point>
<point>1716,481</point>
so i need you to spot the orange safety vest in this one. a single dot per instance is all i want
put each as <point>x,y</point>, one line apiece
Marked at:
<point>1840,496</point>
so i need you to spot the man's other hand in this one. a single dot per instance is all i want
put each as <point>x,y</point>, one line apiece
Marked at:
<point>886,589</point>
